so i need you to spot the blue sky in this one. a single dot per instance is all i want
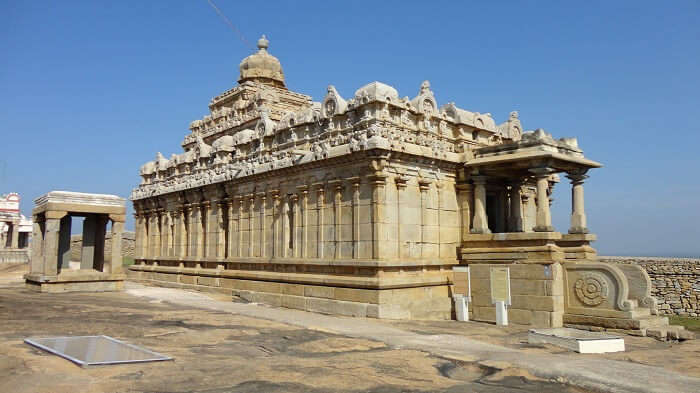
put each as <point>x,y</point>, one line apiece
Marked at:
<point>90,90</point>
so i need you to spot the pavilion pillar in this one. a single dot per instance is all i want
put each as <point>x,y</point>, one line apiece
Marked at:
<point>37,260</point>
<point>100,233</point>
<point>64,243</point>
<point>114,265</point>
<point>14,241</point>
<point>481,222</point>
<point>578,214</point>
<point>137,239</point>
<point>543,221</point>
<point>52,231</point>
<point>87,253</point>
<point>515,224</point>
<point>465,197</point>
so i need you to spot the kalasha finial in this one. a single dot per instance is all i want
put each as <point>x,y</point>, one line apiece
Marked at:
<point>263,42</point>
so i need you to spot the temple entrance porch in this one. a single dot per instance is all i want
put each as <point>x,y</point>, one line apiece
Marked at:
<point>554,278</point>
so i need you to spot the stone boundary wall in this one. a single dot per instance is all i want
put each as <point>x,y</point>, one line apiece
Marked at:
<point>14,256</point>
<point>128,241</point>
<point>675,282</point>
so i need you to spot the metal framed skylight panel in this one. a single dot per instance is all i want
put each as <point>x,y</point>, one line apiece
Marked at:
<point>95,350</point>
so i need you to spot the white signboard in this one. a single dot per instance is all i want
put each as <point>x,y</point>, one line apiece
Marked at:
<point>500,285</point>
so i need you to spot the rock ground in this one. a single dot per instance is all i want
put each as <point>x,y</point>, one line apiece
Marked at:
<point>219,351</point>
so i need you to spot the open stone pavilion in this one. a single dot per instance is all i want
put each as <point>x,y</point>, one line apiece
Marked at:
<point>363,206</point>
<point>50,269</point>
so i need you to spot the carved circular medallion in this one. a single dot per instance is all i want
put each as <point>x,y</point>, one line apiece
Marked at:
<point>591,289</point>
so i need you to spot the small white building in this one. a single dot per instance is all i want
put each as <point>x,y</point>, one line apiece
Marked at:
<point>15,229</point>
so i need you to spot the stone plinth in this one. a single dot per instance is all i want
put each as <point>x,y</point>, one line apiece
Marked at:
<point>49,267</point>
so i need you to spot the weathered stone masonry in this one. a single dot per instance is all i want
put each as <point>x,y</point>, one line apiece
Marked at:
<point>675,282</point>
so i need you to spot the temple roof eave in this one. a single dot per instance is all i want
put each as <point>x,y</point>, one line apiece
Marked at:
<point>515,164</point>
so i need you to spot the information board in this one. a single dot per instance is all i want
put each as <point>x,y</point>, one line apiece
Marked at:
<point>500,285</point>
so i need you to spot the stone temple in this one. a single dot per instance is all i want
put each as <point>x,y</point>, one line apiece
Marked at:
<point>365,205</point>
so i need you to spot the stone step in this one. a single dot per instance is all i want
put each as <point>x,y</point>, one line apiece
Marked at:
<point>640,312</point>
<point>653,321</point>
<point>670,332</point>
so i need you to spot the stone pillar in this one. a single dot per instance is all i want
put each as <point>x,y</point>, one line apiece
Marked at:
<point>284,224</point>
<point>294,226</point>
<point>64,243</point>
<point>276,222</point>
<point>14,241</point>
<point>400,187</point>
<point>221,228</point>
<point>263,219</point>
<point>37,260</point>
<point>145,240</point>
<point>320,205</point>
<point>52,230</point>
<point>165,233</point>
<point>502,210</point>
<point>355,217</point>
<point>378,181</point>
<point>158,235</point>
<point>87,253</point>
<point>465,195</point>
<point>231,228</point>
<point>424,187</point>
<point>100,233</point>
<point>138,231</point>
<point>193,230</point>
<point>543,222</point>
<point>239,228</point>
<point>204,207</point>
<point>481,222</point>
<point>578,214</point>
<point>251,215</point>
<point>186,230</point>
<point>304,190</point>
<point>337,205</point>
<point>178,232</point>
<point>515,223</point>
<point>115,264</point>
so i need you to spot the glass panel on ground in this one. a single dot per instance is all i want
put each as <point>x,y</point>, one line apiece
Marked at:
<point>95,350</point>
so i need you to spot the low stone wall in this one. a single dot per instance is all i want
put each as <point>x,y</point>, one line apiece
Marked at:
<point>128,239</point>
<point>14,256</point>
<point>675,282</point>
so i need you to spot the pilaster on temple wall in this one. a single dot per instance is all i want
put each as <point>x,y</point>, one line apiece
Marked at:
<point>391,211</point>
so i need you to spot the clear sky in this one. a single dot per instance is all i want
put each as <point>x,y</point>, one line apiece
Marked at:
<point>90,90</point>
